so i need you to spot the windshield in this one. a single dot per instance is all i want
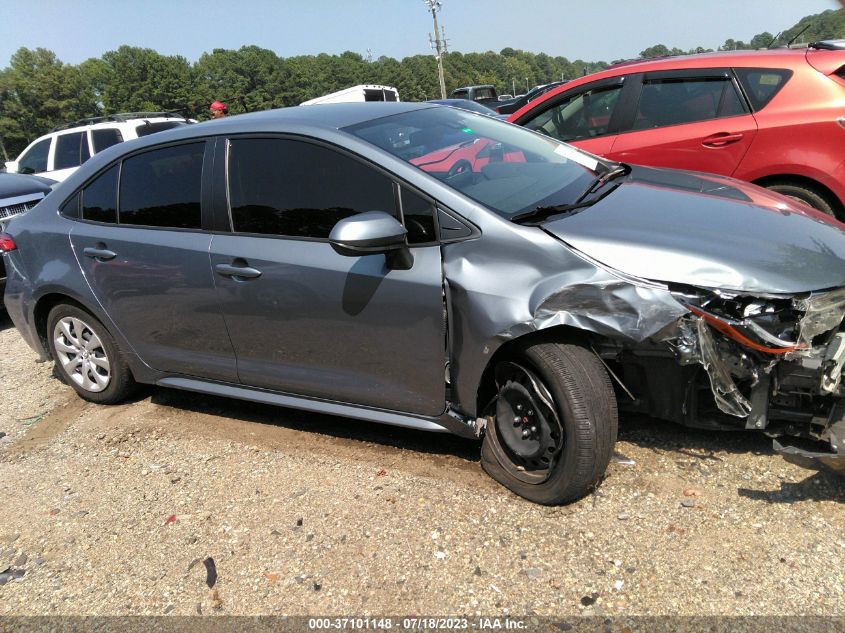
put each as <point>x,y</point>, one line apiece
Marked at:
<point>504,167</point>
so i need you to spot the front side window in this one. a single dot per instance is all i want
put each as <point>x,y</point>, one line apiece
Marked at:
<point>504,167</point>
<point>418,217</point>
<point>675,101</point>
<point>105,137</point>
<point>578,116</point>
<point>297,189</point>
<point>99,198</point>
<point>34,161</point>
<point>162,187</point>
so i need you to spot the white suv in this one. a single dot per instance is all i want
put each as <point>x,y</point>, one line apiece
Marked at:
<point>60,152</point>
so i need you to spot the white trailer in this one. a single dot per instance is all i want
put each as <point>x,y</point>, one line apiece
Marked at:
<point>357,94</point>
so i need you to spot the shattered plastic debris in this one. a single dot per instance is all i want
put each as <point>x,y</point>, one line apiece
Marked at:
<point>381,473</point>
<point>170,519</point>
<point>619,458</point>
<point>211,573</point>
<point>822,312</point>
<point>727,395</point>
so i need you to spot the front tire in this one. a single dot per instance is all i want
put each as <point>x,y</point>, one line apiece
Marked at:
<point>558,453</point>
<point>86,356</point>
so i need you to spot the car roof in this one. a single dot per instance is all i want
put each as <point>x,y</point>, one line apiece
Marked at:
<point>327,116</point>
<point>776,57</point>
<point>295,119</point>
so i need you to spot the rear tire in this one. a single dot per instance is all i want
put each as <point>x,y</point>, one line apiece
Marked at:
<point>86,356</point>
<point>806,194</point>
<point>585,405</point>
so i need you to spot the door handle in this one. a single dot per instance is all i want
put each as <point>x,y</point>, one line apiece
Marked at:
<point>244,272</point>
<point>721,139</point>
<point>102,254</point>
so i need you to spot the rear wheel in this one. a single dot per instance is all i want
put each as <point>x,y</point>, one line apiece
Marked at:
<point>804,193</point>
<point>87,357</point>
<point>554,423</point>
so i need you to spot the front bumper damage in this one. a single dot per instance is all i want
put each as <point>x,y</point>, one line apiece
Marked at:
<point>773,364</point>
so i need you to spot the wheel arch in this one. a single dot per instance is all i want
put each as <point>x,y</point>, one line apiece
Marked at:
<point>486,388</point>
<point>807,182</point>
<point>45,303</point>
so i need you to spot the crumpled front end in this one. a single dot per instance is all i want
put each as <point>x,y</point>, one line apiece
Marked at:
<point>772,363</point>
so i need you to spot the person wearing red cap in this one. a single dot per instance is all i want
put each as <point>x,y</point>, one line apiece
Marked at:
<point>218,110</point>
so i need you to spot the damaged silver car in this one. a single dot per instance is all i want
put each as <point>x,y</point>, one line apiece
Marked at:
<point>426,267</point>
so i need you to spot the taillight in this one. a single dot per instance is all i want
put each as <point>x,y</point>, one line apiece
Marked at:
<point>7,243</point>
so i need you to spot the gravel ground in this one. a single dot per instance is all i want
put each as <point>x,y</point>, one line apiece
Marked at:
<point>113,510</point>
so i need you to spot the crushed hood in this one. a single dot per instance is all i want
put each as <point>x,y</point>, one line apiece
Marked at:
<point>708,231</point>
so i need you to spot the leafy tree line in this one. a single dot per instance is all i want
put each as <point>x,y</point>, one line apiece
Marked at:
<point>38,91</point>
<point>812,28</point>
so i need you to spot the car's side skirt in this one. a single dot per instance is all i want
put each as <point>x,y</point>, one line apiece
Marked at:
<point>307,404</point>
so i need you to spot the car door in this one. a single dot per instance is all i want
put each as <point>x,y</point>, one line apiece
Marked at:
<point>306,320</point>
<point>585,116</point>
<point>688,119</point>
<point>144,254</point>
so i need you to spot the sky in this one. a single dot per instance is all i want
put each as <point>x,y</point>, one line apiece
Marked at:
<point>593,31</point>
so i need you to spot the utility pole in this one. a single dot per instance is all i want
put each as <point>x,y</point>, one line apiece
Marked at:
<point>438,44</point>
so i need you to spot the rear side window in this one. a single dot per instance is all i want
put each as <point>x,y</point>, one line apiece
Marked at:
<point>151,128</point>
<point>35,160</point>
<point>296,189</point>
<point>162,188</point>
<point>68,151</point>
<point>99,198</point>
<point>484,93</point>
<point>675,101</point>
<point>105,137</point>
<point>762,84</point>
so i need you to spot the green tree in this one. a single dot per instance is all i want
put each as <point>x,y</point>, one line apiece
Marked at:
<point>140,79</point>
<point>37,93</point>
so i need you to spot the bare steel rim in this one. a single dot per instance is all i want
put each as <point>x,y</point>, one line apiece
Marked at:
<point>82,354</point>
<point>526,435</point>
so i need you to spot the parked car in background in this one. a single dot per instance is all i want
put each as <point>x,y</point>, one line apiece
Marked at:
<point>357,94</point>
<point>18,194</point>
<point>61,151</point>
<point>774,117</point>
<point>470,106</point>
<point>333,261</point>
<point>515,103</point>
<point>485,94</point>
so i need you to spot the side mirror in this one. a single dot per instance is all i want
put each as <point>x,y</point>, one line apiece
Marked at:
<point>12,166</point>
<point>371,233</point>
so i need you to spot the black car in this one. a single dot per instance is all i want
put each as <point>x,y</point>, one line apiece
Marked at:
<point>512,105</point>
<point>19,193</point>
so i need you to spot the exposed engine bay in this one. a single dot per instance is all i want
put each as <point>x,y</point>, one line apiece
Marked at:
<point>771,363</point>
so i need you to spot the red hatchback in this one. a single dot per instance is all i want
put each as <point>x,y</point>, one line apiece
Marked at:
<point>775,118</point>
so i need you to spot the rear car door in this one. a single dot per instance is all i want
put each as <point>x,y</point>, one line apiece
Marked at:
<point>586,116</point>
<point>305,320</point>
<point>686,119</point>
<point>144,253</point>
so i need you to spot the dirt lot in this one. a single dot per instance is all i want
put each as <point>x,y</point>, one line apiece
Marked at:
<point>112,510</point>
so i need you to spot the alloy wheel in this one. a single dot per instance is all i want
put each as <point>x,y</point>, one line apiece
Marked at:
<point>81,354</point>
